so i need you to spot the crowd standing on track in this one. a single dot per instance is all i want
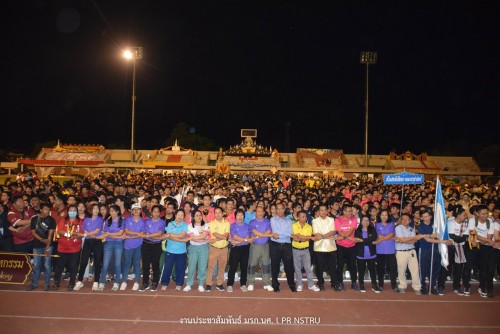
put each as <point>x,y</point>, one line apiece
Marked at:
<point>274,226</point>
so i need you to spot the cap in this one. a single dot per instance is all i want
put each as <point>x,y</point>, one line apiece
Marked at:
<point>136,206</point>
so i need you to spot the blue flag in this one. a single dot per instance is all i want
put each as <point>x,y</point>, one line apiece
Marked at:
<point>441,224</point>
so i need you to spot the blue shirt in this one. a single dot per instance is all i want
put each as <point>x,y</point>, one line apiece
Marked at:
<point>90,225</point>
<point>133,226</point>
<point>242,231</point>
<point>282,227</point>
<point>262,226</point>
<point>176,247</point>
<point>152,227</point>
<point>249,216</point>
<point>425,229</point>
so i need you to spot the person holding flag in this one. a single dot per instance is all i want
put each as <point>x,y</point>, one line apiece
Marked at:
<point>431,254</point>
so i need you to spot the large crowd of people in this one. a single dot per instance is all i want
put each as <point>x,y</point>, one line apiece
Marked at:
<point>225,228</point>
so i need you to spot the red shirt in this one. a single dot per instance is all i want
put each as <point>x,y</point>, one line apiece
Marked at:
<point>126,214</point>
<point>15,215</point>
<point>57,214</point>
<point>209,216</point>
<point>66,245</point>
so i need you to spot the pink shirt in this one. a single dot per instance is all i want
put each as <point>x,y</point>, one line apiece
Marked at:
<point>342,224</point>
<point>210,216</point>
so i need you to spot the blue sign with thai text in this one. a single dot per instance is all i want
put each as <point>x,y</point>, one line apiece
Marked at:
<point>404,178</point>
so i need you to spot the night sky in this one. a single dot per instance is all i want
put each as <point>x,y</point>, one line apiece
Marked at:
<point>225,65</point>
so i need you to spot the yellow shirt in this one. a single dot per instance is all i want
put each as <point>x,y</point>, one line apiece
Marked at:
<point>305,231</point>
<point>222,227</point>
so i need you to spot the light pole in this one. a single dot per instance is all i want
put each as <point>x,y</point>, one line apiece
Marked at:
<point>367,58</point>
<point>133,54</point>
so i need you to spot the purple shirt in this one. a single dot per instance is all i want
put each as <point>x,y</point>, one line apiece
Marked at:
<point>90,225</point>
<point>366,254</point>
<point>152,227</point>
<point>242,231</point>
<point>386,246</point>
<point>133,226</point>
<point>262,226</point>
<point>113,229</point>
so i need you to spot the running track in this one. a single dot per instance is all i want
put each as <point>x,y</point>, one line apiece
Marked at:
<point>153,312</point>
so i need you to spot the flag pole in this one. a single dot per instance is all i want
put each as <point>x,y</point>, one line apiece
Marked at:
<point>433,231</point>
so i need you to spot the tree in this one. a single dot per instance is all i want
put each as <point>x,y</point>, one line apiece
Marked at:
<point>188,138</point>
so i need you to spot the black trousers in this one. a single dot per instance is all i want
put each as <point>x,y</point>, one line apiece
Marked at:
<point>6,245</point>
<point>151,253</point>
<point>326,262</point>
<point>70,261</point>
<point>281,252</point>
<point>371,269</point>
<point>481,258</point>
<point>95,247</point>
<point>390,260</point>
<point>346,255</point>
<point>238,256</point>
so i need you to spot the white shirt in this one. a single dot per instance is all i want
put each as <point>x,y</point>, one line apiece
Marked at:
<point>454,228</point>
<point>324,226</point>
<point>481,228</point>
<point>196,231</point>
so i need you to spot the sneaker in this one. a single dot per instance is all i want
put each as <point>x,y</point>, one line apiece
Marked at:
<point>376,289</point>
<point>396,290</point>
<point>313,288</point>
<point>31,288</point>
<point>220,287</point>
<point>178,288</point>
<point>244,288</point>
<point>269,288</point>
<point>434,292</point>
<point>164,288</point>
<point>201,288</point>
<point>131,277</point>
<point>321,288</point>
<point>55,287</point>
<point>123,286</point>
<point>458,292</point>
<point>402,290</point>
<point>355,286</point>
<point>144,287</point>
<point>154,287</point>
<point>115,287</point>
<point>228,289</point>
<point>46,288</point>
<point>187,288</point>
<point>467,292</point>
<point>250,287</point>
<point>101,287</point>
<point>335,287</point>
<point>208,288</point>
<point>78,286</point>
<point>418,292</point>
<point>70,287</point>
<point>424,291</point>
<point>341,286</point>
<point>441,292</point>
<point>95,286</point>
<point>482,294</point>
<point>135,287</point>
<point>362,288</point>
<point>299,288</point>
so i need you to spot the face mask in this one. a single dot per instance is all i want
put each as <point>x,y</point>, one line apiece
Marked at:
<point>72,214</point>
